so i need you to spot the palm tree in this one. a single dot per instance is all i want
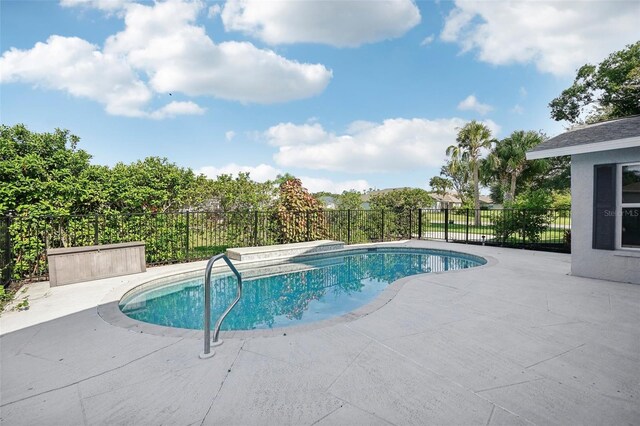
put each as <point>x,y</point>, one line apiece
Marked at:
<point>508,158</point>
<point>472,138</point>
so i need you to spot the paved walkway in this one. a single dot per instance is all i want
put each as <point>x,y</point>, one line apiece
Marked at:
<point>516,342</point>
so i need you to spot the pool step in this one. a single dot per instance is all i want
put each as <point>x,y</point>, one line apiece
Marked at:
<point>283,251</point>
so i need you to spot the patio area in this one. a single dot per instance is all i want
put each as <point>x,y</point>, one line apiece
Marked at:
<point>518,341</point>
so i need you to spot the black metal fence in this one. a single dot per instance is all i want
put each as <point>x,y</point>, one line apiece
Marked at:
<point>5,251</point>
<point>535,229</point>
<point>186,236</point>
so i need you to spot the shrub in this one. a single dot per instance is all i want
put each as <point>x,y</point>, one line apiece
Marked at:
<point>5,297</point>
<point>528,217</point>
<point>298,214</point>
<point>561,202</point>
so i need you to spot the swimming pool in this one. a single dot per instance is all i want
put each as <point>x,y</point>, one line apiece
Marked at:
<point>314,289</point>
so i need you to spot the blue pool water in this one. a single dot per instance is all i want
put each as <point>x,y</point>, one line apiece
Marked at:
<point>322,288</point>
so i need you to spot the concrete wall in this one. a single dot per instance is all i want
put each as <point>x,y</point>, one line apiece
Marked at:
<point>77,264</point>
<point>614,265</point>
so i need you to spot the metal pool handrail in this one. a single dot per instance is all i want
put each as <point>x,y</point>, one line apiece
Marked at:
<point>207,305</point>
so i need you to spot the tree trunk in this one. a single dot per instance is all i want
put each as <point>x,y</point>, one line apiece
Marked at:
<point>476,194</point>
<point>512,191</point>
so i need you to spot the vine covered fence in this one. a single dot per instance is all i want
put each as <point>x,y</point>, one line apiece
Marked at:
<point>187,236</point>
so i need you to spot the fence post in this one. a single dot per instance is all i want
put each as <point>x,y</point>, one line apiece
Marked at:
<point>524,225</point>
<point>255,228</point>
<point>308,227</point>
<point>504,218</point>
<point>348,226</point>
<point>46,235</point>
<point>95,230</point>
<point>446,224</point>
<point>410,223</point>
<point>466,235</point>
<point>419,224</point>
<point>382,226</point>
<point>187,239</point>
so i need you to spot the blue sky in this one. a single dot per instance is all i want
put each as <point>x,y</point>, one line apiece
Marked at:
<point>344,94</point>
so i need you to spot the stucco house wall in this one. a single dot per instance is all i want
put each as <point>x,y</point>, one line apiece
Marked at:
<point>616,265</point>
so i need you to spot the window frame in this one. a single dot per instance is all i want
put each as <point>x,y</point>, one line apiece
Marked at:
<point>620,205</point>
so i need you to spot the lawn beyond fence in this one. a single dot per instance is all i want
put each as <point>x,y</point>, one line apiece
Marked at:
<point>187,236</point>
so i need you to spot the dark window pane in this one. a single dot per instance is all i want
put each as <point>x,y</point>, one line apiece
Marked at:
<point>631,184</point>
<point>631,227</point>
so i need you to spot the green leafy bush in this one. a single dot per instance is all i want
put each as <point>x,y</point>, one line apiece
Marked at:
<point>298,214</point>
<point>400,210</point>
<point>561,201</point>
<point>5,297</point>
<point>525,219</point>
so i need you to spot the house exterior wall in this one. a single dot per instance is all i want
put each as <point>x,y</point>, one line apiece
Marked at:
<point>615,265</point>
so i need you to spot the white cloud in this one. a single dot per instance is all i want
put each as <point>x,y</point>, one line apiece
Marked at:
<point>556,36</point>
<point>517,109</point>
<point>360,126</point>
<point>428,40</point>
<point>393,145</point>
<point>174,109</point>
<point>317,185</point>
<point>265,172</point>
<point>161,50</point>
<point>291,134</point>
<point>259,173</point>
<point>81,69</point>
<point>178,56</point>
<point>214,11</point>
<point>523,92</point>
<point>471,103</point>
<point>106,5</point>
<point>229,135</point>
<point>337,23</point>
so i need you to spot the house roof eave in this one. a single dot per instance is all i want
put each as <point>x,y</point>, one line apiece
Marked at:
<point>585,148</point>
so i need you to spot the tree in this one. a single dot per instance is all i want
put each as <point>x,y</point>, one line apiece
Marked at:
<point>229,194</point>
<point>496,192</point>
<point>551,174</point>
<point>440,185</point>
<point>46,173</point>
<point>494,174</point>
<point>298,214</point>
<point>280,179</point>
<point>459,174</point>
<point>323,197</point>
<point>400,203</point>
<point>472,138</point>
<point>349,200</point>
<point>610,89</point>
<point>151,185</point>
<point>508,159</point>
<point>401,200</point>
<point>561,200</point>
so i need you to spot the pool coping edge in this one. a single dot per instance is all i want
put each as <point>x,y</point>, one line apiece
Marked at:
<point>110,312</point>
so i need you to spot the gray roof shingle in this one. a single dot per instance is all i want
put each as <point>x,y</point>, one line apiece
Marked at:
<point>622,128</point>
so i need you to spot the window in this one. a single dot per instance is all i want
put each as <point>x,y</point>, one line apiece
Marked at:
<point>629,207</point>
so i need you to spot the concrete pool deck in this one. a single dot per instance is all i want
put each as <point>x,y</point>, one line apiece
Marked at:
<point>518,341</point>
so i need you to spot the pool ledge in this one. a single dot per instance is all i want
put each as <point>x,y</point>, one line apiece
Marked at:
<point>283,251</point>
